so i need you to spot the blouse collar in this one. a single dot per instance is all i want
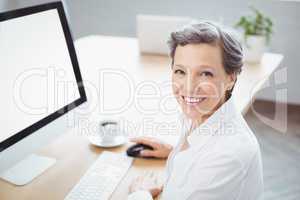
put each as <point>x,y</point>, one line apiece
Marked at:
<point>215,123</point>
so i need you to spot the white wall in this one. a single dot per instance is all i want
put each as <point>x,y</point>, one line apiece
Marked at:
<point>117,17</point>
<point>25,3</point>
<point>3,5</point>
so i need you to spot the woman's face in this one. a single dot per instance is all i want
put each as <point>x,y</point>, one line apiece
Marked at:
<point>199,79</point>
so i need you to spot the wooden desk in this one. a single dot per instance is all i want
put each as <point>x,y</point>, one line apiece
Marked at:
<point>73,152</point>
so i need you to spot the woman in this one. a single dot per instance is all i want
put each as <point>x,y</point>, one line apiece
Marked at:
<point>218,156</point>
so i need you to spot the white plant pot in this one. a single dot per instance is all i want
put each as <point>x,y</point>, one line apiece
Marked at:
<point>254,48</point>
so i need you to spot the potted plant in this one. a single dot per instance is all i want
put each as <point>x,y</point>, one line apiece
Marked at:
<point>257,30</point>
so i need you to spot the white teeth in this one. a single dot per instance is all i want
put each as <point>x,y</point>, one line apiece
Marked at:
<point>193,99</point>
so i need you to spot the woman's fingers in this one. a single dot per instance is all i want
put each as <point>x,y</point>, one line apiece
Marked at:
<point>147,141</point>
<point>155,192</point>
<point>160,149</point>
<point>149,153</point>
<point>146,181</point>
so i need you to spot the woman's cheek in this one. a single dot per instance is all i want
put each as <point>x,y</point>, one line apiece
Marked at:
<point>176,85</point>
<point>214,94</point>
<point>175,88</point>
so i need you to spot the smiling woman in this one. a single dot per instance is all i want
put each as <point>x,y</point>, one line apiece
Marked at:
<point>204,80</point>
<point>217,156</point>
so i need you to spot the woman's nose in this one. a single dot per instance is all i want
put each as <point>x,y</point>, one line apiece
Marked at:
<point>191,85</point>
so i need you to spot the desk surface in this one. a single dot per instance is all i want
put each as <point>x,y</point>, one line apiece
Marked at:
<point>144,74</point>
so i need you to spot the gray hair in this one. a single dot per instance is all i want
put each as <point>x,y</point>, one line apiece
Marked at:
<point>211,33</point>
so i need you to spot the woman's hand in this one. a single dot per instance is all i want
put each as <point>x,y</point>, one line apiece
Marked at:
<point>160,149</point>
<point>146,182</point>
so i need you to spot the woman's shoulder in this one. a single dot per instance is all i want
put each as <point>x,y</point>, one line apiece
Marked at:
<point>235,138</point>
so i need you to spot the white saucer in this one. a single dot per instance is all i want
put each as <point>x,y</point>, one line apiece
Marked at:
<point>117,141</point>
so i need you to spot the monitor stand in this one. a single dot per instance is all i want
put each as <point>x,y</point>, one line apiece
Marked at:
<point>26,170</point>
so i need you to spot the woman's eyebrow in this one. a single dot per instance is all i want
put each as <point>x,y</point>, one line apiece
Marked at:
<point>181,66</point>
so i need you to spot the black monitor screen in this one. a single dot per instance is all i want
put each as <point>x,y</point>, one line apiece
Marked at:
<point>39,73</point>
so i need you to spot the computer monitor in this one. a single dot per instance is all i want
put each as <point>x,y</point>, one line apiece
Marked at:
<point>40,83</point>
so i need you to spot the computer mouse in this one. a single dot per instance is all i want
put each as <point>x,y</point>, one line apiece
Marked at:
<point>134,150</point>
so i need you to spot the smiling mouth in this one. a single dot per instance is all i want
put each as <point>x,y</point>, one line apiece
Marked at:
<point>193,100</point>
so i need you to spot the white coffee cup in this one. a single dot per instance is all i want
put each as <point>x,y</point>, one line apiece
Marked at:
<point>109,135</point>
<point>108,130</point>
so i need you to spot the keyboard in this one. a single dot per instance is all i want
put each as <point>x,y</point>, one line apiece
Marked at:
<point>101,179</point>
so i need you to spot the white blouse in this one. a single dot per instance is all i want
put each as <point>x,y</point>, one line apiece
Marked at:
<point>222,162</point>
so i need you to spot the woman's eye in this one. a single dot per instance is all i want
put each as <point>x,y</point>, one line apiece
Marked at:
<point>207,74</point>
<point>178,71</point>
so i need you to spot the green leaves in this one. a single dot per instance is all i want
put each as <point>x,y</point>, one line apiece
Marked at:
<point>256,24</point>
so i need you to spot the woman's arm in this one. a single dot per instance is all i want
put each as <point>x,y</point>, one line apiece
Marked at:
<point>143,188</point>
<point>219,178</point>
